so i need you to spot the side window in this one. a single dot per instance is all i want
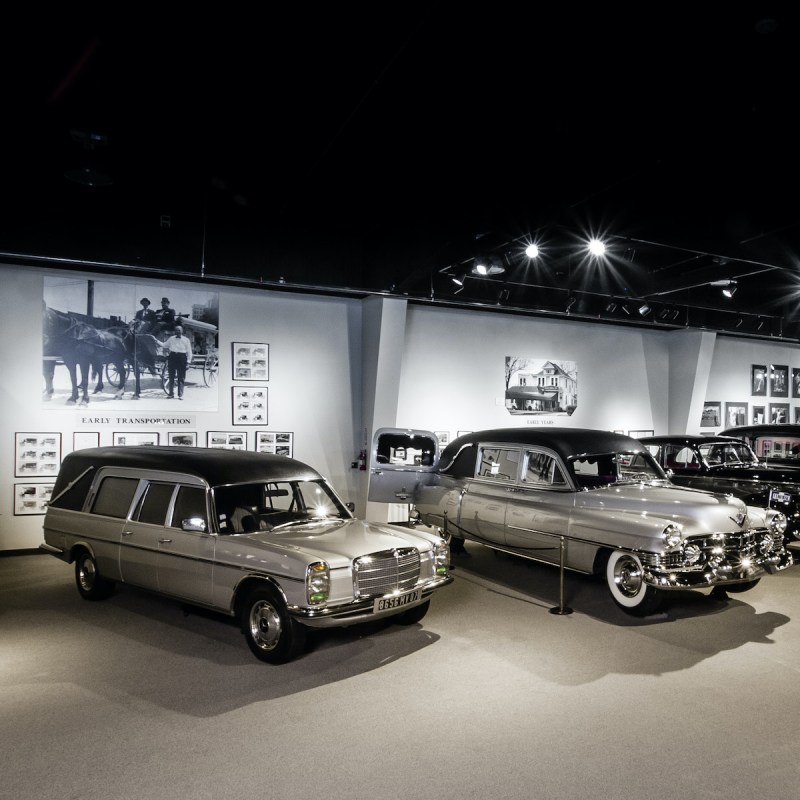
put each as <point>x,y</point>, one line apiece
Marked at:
<point>74,497</point>
<point>498,464</point>
<point>189,504</point>
<point>542,470</point>
<point>463,465</point>
<point>114,497</point>
<point>155,503</point>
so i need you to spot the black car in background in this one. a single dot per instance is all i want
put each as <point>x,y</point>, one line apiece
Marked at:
<point>775,444</point>
<point>729,465</point>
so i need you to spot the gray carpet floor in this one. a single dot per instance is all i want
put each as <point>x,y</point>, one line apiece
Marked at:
<point>491,696</point>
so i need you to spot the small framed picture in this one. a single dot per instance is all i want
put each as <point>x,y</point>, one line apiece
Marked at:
<point>249,405</point>
<point>227,440</point>
<point>758,379</point>
<point>778,380</point>
<point>795,382</point>
<point>182,438</point>
<point>31,498</point>
<point>443,437</point>
<point>759,415</point>
<point>250,361</point>
<point>280,443</point>
<point>135,439</point>
<point>797,415</point>
<point>735,414</point>
<point>83,439</point>
<point>639,434</point>
<point>37,455</point>
<point>778,413</point>
<point>712,415</point>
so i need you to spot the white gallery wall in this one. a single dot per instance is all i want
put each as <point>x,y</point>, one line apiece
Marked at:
<point>340,368</point>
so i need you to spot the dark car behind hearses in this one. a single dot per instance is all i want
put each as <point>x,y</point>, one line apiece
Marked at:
<point>727,464</point>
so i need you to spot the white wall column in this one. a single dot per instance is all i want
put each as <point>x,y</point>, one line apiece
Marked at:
<point>690,356</point>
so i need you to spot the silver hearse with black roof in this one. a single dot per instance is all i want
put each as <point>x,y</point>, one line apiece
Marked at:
<point>597,500</point>
<point>263,538</point>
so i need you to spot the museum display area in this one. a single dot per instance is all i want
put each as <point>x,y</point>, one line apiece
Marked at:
<point>314,376</point>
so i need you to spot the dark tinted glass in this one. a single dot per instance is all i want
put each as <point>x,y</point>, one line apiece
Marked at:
<point>114,497</point>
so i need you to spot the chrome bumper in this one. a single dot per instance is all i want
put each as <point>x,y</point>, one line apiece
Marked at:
<point>359,610</point>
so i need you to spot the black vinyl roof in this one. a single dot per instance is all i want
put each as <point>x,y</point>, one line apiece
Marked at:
<point>687,438</point>
<point>216,466</point>
<point>762,430</point>
<point>566,442</point>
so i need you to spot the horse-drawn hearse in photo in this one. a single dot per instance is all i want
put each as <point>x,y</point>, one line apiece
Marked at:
<point>110,350</point>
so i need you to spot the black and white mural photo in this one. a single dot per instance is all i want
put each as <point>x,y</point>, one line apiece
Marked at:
<point>137,345</point>
<point>541,386</point>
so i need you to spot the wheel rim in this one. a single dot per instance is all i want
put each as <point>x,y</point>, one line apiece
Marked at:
<point>265,625</point>
<point>87,574</point>
<point>628,576</point>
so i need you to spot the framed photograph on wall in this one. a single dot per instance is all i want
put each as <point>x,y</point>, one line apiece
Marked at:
<point>443,437</point>
<point>795,382</point>
<point>182,438</point>
<point>249,405</point>
<point>227,440</point>
<point>83,439</point>
<point>735,414</point>
<point>712,415</point>
<point>758,379</point>
<point>778,380</point>
<point>759,415</point>
<point>37,455</point>
<point>250,361</point>
<point>797,415</point>
<point>31,498</point>
<point>778,413</point>
<point>135,439</point>
<point>637,434</point>
<point>279,442</point>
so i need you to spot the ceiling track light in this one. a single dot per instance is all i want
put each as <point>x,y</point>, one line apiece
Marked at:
<point>730,289</point>
<point>644,309</point>
<point>459,279</point>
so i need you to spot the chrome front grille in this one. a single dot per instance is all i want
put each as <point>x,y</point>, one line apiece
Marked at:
<point>701,552</point>
<point>387,571</point>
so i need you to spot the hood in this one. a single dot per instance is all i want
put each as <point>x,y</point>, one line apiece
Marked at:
<point>759,472</point>
<point>698,511</point>
<point>338,541</point>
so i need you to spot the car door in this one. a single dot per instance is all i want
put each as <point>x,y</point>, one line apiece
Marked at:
<point>539,509</point>
<point>486,497</point>
<point>185,564</point>
<point>401,460</point>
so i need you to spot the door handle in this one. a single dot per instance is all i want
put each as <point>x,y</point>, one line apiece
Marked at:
<point>165,541</point>
<point>127,533</point>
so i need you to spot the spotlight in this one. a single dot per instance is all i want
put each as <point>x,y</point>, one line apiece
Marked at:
<point>760,323</point>
<point>626,310</point>
<point>459,279</point>
<point>596,247</point>
<point>488,265</point>
<point>570,303</point>
<point>739,322</point>
<point>730,289</point>
<point>611,308</point>
<point>532,250</point>
<point>644,309</point>
<point>502,296</point>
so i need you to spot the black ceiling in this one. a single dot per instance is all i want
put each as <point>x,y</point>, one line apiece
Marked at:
<point>379,148</point>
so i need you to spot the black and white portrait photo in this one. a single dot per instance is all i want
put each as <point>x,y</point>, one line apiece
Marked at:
<point>118,345</point>
<point>778,380</point>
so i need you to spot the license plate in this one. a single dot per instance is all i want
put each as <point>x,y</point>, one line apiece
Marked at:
<point>781,497</point>
<point>395,601</point>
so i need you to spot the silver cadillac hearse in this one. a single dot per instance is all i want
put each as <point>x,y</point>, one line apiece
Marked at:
<point>595,501</point>
<point>263,538</point>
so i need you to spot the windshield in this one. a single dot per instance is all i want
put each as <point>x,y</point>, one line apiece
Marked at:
<point>601,469</point>
<point>728,453</point>
<point>249,507</point>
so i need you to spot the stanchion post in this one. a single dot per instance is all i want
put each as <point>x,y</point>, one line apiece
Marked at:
<point>561,608</point>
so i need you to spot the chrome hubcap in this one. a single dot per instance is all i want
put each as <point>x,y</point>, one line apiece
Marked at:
<point>265,625</point>
<point>628,576</point>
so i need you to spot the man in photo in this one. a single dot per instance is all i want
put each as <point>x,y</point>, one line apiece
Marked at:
<point>179,352</point>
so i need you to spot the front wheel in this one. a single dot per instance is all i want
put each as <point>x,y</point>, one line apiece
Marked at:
<point>738,588</point>
<point>625,579</point>
<point>91,584</point>
<point>272,635</point>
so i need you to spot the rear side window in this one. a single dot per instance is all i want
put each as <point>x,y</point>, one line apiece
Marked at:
<point>498,464</point>
<point>155,503</point>
<point>543,470</point>
<point>114,497</point>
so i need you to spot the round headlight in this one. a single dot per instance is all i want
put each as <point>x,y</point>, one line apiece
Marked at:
<point>672,535</point>
<point>778,523</point>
